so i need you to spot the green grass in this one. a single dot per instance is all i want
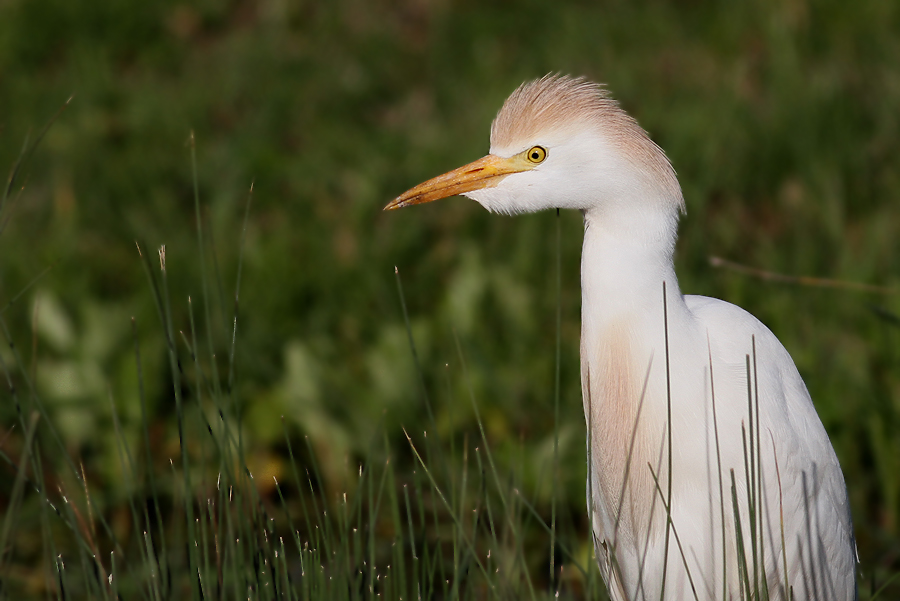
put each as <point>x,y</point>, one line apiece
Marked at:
<point>452,524</point>
<point>780,120</point>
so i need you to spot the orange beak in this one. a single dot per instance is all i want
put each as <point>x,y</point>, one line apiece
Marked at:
<point>486,172</point>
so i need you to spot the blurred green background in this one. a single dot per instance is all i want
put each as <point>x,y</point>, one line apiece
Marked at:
<point>780,117</point>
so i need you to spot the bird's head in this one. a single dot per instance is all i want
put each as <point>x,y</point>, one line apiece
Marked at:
<point>561,142</point>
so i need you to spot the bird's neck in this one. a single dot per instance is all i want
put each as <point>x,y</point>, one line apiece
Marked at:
<point>625,261</point>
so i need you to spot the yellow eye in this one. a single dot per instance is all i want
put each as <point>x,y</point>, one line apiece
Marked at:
<point>537,154</point>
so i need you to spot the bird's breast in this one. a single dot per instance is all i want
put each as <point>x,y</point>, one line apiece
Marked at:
<point>624,432</point>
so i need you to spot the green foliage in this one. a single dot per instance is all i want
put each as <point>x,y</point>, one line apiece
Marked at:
<point>780,118</point>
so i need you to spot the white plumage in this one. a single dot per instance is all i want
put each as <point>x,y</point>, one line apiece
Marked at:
<point>738,406</point>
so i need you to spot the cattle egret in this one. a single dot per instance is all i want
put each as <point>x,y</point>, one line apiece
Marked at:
<point>710,473</point>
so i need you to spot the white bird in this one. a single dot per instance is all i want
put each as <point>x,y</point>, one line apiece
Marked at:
<point>691,403</point>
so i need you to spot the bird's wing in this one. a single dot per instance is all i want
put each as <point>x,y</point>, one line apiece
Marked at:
<point>807,484</point>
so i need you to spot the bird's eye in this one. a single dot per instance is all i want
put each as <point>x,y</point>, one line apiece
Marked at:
<point>537,154</point>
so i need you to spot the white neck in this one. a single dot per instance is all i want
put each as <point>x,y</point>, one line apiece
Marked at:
<point>627,255</point>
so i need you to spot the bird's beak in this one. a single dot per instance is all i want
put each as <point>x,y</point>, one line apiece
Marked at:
<point>486,172</point>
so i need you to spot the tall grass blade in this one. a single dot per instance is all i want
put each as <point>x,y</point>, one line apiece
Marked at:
<point>554,481</point>
<point>15,499</point>
<point>447,505</point>
<point>675,533</point>
<point>669,478</point>
<point>24,156</point>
